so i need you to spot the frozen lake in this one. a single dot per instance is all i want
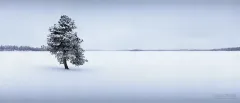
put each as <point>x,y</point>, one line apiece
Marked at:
<point>120,76</point>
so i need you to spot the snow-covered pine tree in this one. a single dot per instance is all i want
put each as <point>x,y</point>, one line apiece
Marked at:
<point>64,43</point>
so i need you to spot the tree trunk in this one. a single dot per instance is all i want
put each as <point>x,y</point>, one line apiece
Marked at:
<point>65,63</point>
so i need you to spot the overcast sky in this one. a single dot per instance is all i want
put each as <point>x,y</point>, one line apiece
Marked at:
<point>126,24</point>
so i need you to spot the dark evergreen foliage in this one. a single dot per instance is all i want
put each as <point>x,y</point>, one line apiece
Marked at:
<point>64,43</point>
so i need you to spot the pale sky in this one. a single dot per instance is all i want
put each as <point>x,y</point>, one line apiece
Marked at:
<point>126,24</point>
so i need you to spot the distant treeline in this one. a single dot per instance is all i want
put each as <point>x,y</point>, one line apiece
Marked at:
<point>221,49</point>
<point>227,49</point>
<point>44,48</point>
<point>21,48</point>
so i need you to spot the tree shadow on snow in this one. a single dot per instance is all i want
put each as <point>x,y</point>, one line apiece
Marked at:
<point>71,69</point>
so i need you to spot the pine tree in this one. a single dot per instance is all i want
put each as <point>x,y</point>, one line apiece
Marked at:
<point>64,43</point>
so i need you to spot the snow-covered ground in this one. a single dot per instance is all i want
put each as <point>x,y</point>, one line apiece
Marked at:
<point>160,77</point>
